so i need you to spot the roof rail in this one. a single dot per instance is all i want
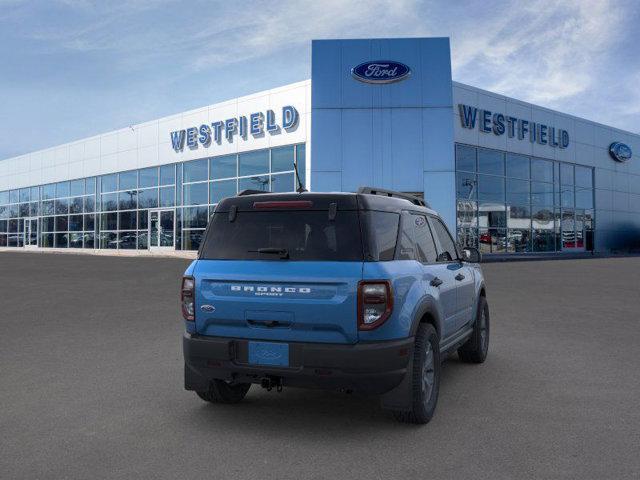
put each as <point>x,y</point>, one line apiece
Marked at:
<point>249,191</point>
<point>392,193</point>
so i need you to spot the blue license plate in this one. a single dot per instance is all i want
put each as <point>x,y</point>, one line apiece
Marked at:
<point>267,353</point>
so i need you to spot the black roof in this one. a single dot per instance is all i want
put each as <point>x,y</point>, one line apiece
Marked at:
<point>321,201</point>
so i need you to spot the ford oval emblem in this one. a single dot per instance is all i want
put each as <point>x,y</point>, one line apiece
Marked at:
<point>207,308</point>
<point>380,71</point>
<point>620,152</point>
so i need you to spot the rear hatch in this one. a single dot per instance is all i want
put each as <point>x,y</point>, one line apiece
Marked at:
<point>283,271</point>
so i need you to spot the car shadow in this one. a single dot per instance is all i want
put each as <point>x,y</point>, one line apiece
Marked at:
<point>312,410</point>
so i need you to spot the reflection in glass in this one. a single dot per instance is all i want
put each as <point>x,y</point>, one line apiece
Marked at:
<point>517,166</point>
<point>282,159</point>
<point>252,163</point>
<point>490,161</point>
<point>568,228</point>
<point>148,177</point>
<point>254,183</point>
<point>541,193</point>
<point>148,198</point>
<point>195,170</point>
<point>519,217</point>
<point>76,187</point>
<point>223,189</point>
<point>492,215</point>
<point>127,200</point>
<point>192,239</point>
<point>196,194</point>
<point>167,175</point>
<point>108,240</point>
<point>89,240</point>
<point>465,158</point>
<point>282,183</point>
<point>491,188</point>
<point>127,240</point>
<point>519,240</point>
<point>466,186</point>
<point>541,170</point>
<point>75,240</point>
<point>61,240</point>
<point>223,167</point>
<point>128,180</point>
<point>62,223</point>
<point>492,240</point>
<point>517,191</point>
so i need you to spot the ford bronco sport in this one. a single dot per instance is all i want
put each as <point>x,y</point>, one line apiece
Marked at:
<point>358,292</point>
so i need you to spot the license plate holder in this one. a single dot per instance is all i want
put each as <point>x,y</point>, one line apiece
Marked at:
<point>269,353</point>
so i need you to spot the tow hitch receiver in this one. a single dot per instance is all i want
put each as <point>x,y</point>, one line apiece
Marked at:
<point>271,382</point>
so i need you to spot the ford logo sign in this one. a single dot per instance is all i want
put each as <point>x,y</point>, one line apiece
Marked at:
<point>380,71</point>
<point>620,152</point>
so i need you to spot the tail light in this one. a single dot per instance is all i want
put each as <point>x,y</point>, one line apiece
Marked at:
<point>375,303</point>
<point>187,298</point>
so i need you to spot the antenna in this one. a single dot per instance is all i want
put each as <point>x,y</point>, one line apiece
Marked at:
<point>300,188</point>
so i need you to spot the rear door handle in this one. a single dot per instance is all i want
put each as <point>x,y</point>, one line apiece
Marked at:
<point>459,277</point>
<point>436,282</point>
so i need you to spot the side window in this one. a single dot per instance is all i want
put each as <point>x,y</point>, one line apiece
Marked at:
<point>424,241</point>
<point>406,242</point>
<point>447,248</point>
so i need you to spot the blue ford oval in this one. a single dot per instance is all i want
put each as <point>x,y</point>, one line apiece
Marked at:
<point>620,151</point>
<point>381,71</point>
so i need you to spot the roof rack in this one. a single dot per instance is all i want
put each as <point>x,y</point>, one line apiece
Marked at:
<point>249,191</point>
<point>392,193</point>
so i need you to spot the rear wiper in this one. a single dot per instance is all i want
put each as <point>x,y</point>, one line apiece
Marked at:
<point>283,252</point>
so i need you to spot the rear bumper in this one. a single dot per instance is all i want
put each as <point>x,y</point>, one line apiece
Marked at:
<point>373,367</point>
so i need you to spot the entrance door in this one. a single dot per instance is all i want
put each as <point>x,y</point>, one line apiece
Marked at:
<point>30,232</point>
<point>162,229</point>
<point>572,227</point>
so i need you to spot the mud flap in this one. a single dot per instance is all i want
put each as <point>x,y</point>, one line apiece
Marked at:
<point>194,381</point>
<point>401,397</point>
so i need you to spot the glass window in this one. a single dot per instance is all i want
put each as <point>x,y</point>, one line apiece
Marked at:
<point>4,198</point>
<point>48,224</point>
<point>406,239</point>
<point>518,241</point>
<point>143,220</point>
<point>89,241</point>
<point>128,220</point>
<point>62,240</point>
<point>490,161</point>
<point>24,195</point>
<point>424,240</point>
<point>566,174</point>
<point>62,189</point>
<point>128,180</point>
<point>467,213</point>
<point>109,201</point>
<point>76,205</point>
<point>148,177</point>
<point>46,240</point>
<point>381,234</point>
<point>196,194</point>
<point>109,183</point>
<point>127,240</point>
<point>220,190</point>
<point>143,239</point>
<point>89,204</point>
<point>127,200</point>
<point>90,185</point>
<point>89,222</point>
<point>168,175</point>
<point>541,170</point>
<point>62,223</point>
<point>252,163</point>
<point>491,188</point>
<point>75,223</point>
<point>568,229</point>
<point>24,209</point>
<point>148,198</point>
<point>196,217</point>
<point>446,246</point>
<point>542,218</point>
<point>76,187</point>
<point>192,239</point>
<point>108,240</point>
<point>195,170</point>
<point>35,194</point>
<point>75,240</point>
<point>584,177</point>
<point>517,166</point>
<point>254,183</point>
<point>544,240</point>
<point>541,193</point>
<point>517,191</point>
<point>167,195</point>
<point>282,182</point>
<point>224,167</point>
<point>584,197</point>
<point>566,195</point>
<point>48,192</point>
<point>465,158</point>
<point>519,217</point>
<point>492,215</point>
<point>282,159</point>
<point>466,185</point>
<point>14,196</point>
<point>109,221</point>
<point>62,206</point>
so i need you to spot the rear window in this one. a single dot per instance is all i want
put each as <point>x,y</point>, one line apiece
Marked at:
<point>293,234</point>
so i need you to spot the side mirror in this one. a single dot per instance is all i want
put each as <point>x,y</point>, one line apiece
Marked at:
<point>471,255</point>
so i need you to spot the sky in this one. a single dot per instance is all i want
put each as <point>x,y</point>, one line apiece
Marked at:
<point>70,69</point>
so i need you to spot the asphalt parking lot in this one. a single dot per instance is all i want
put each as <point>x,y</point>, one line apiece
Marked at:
<point>91,385</point>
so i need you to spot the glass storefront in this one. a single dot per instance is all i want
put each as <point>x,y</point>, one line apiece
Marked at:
<point>157,207</point>
<point>510,203</point>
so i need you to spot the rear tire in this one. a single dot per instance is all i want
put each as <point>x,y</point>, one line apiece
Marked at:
<point>476,348</point>
<point>223,392</point>
<point>425,382</point>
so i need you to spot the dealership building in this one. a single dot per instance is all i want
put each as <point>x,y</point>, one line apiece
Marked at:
<point>507,176</point>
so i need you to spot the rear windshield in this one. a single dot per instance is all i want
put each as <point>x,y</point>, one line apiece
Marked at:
<point>276,235</point>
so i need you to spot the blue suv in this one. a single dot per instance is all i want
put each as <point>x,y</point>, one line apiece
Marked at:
<point>361,291</point>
